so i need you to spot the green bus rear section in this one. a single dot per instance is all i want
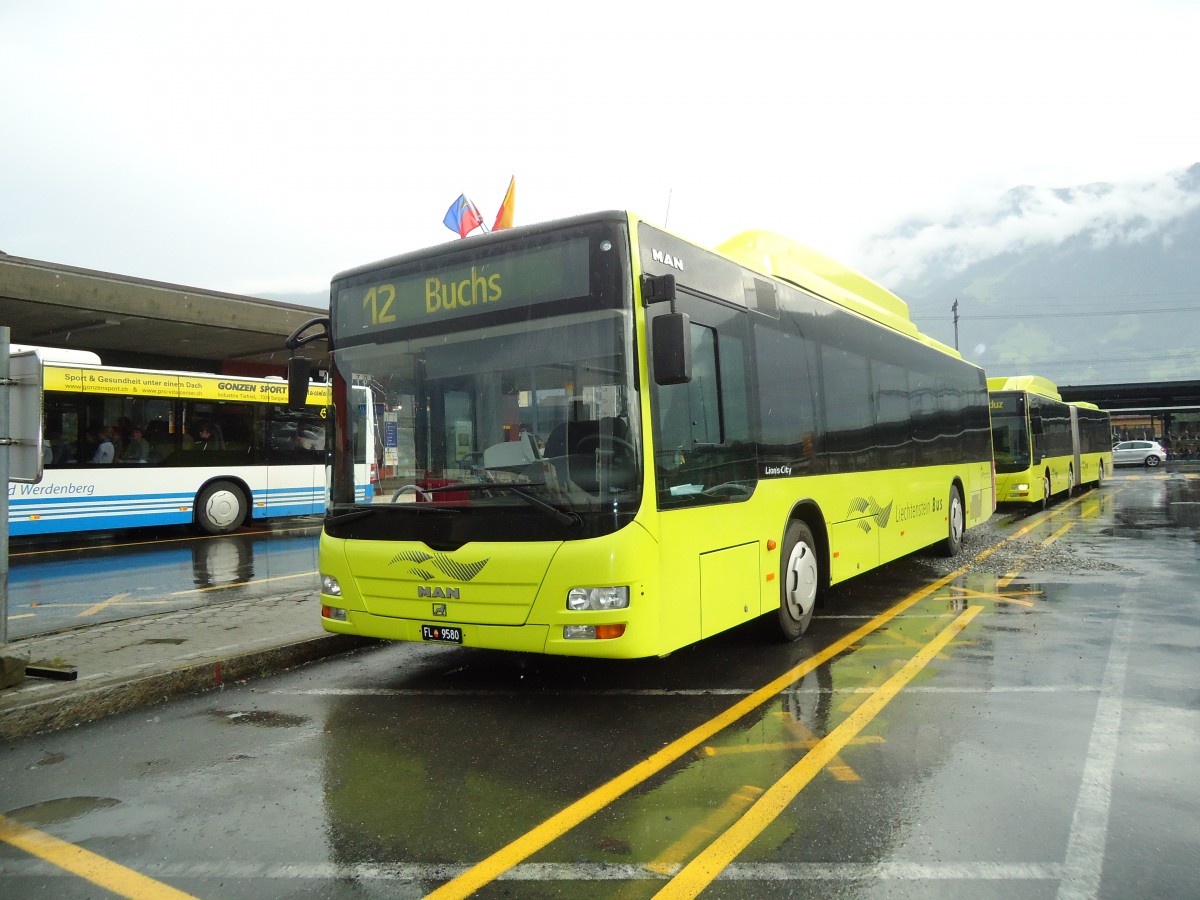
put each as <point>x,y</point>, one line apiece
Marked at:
<point>1077,436</point>
<point>692,571</point>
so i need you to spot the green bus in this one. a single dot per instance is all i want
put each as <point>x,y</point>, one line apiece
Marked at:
<point>598,439</point>
<point>1044,446</point>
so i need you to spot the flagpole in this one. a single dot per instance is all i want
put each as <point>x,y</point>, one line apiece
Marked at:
<point>479,216</point>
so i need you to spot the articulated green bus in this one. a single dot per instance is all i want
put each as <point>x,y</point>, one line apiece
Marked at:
<point>1043,446</point>
<point>601,440</point>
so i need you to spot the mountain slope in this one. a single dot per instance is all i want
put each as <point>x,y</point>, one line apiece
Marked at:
<point>1085,285</point>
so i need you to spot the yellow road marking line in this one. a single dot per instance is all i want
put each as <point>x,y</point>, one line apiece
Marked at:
<point>522,848</point>
<point>1054,537</point>
<point>838,767</point>
<point>103,604</point>
<point>45,551</point>
<point>53,605</point>
<point>965,593</point>
<point>87,865</point>
<point>712,824</point>
<point>700,872</point>
<point>772,746</point>
<point>222,587</point>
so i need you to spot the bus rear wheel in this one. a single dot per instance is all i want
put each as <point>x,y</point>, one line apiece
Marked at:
<point>220,508</point>
<point>956,524</point>
<point>800,581</point>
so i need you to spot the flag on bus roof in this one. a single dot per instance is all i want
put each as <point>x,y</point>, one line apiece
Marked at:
<point>462,216</point>
<point>504,218</point>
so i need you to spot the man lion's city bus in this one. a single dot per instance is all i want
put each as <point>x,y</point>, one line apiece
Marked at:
<point>124,448</point>
<point>601,440</point>
<point>1043,446</point>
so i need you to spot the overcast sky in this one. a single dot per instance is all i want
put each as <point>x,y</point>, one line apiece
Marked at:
<point>260,148</point>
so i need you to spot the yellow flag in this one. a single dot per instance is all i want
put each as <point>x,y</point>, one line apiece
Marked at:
<point>504,218</point>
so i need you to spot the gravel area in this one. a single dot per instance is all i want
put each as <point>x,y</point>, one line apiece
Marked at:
<point>1066,556</point>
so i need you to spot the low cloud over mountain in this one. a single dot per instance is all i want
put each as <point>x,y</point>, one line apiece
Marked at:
<point>1092,284</point>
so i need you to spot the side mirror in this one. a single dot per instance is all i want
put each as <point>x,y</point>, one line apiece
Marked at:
<point>299,370</point>
<point>672,346</point>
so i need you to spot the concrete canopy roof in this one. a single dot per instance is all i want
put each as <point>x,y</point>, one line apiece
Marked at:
<point>51,305</point>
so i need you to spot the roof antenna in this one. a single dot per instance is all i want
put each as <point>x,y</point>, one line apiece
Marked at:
<point>670,191</point>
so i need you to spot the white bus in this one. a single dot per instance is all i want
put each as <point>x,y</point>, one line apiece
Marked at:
<point>124,448</point>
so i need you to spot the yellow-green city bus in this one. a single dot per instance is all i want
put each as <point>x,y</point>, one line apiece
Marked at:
<point>601,440</point>
<point>1043,446</point>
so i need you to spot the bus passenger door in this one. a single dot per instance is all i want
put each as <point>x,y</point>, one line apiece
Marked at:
<point>706,470</point>
<point>295,474</point>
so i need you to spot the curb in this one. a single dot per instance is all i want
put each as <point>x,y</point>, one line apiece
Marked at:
<point>66,710</point>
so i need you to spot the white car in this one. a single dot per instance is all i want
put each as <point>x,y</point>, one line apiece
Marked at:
<point>1138,453</point>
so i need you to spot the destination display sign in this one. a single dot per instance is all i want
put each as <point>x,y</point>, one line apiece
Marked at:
<point>171,384</point>
<point>440,293</point>
<point>1007,404</point>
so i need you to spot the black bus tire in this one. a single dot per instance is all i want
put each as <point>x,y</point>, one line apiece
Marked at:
<point>956,523</point>
<point>799,580</point>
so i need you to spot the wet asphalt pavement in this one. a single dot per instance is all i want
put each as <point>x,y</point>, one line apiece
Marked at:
<point>80,581</point>
<point>1019,722</point>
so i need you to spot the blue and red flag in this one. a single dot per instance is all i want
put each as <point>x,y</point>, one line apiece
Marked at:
<point>462,216</point>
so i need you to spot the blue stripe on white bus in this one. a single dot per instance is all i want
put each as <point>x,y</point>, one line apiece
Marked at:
<point>48,515</point>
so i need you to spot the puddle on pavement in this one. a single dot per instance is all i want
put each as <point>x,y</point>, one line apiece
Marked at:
<point>64,809</point>
<point>261,717</point>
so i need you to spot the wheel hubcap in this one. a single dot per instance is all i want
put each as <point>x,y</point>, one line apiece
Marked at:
<point>801,593</point>
<point>956,519</point>
<point>221,509</point>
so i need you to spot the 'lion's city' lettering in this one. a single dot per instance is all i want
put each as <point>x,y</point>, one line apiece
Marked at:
<point>448,295</point>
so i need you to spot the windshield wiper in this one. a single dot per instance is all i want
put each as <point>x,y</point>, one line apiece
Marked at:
<point>359,512</point>
<point>566,518</point>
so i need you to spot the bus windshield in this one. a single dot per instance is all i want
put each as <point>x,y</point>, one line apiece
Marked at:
<point>533,418</point>
<point>1010,432</point>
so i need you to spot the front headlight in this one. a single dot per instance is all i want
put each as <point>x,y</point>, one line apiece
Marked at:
<point>598,598</point>
<point>330,586</point>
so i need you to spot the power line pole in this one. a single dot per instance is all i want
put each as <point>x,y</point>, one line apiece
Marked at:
<point>954,309</point>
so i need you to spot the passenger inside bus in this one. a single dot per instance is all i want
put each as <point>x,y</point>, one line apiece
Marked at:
<point>105,451</point>
<point>208,437</point>
<point>137,449</point>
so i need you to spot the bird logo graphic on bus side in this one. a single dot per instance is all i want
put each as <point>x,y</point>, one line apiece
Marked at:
<point>444,564</point>
<point>881,514</point>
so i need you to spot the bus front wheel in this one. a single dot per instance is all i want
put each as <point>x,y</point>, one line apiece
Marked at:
<point>800,581</point>
<point>955,523</point>
<point>220,508</point>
